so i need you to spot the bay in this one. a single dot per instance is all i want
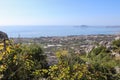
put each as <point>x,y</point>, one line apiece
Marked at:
<point>45,31</point>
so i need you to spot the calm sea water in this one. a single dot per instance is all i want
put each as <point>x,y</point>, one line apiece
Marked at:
<point>38,31</point>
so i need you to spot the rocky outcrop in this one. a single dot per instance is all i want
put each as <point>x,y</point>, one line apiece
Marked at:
<point>3,36</point>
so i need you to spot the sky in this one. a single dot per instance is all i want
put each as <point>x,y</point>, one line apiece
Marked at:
<point>59,12</point>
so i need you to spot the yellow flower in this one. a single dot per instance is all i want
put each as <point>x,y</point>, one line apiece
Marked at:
<point>2,67</point>
<point>64,53</point>
<point>8,49</point>
<point>15,57</point>
<point>44,70</point>
<point>61,53</point>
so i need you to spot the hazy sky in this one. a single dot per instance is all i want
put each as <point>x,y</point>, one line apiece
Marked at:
<point>59,12</point>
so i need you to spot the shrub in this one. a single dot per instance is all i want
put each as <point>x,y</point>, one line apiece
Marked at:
<point>20,61</point>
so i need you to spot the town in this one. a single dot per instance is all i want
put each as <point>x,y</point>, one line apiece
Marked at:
<point>79,44</point>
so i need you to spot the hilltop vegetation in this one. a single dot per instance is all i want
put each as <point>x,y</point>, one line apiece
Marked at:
<point>19,62</point>
<point>29,62</point>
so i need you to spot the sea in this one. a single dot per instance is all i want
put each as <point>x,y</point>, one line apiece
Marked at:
<point>49,31</point>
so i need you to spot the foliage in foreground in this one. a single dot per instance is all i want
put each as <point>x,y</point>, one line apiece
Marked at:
<point>19,62</point>
<point>28,62</point>
<point>71,67</point>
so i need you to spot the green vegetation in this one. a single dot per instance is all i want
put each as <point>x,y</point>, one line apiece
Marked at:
<point>116,43</point>
<point>28,62</point>
<point>19,62</point>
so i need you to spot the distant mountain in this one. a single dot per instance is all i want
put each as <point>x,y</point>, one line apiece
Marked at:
<point>83,26</point>
<point>113,26</point>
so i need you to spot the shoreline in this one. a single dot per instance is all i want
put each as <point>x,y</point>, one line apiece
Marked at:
<point>67,36</point>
